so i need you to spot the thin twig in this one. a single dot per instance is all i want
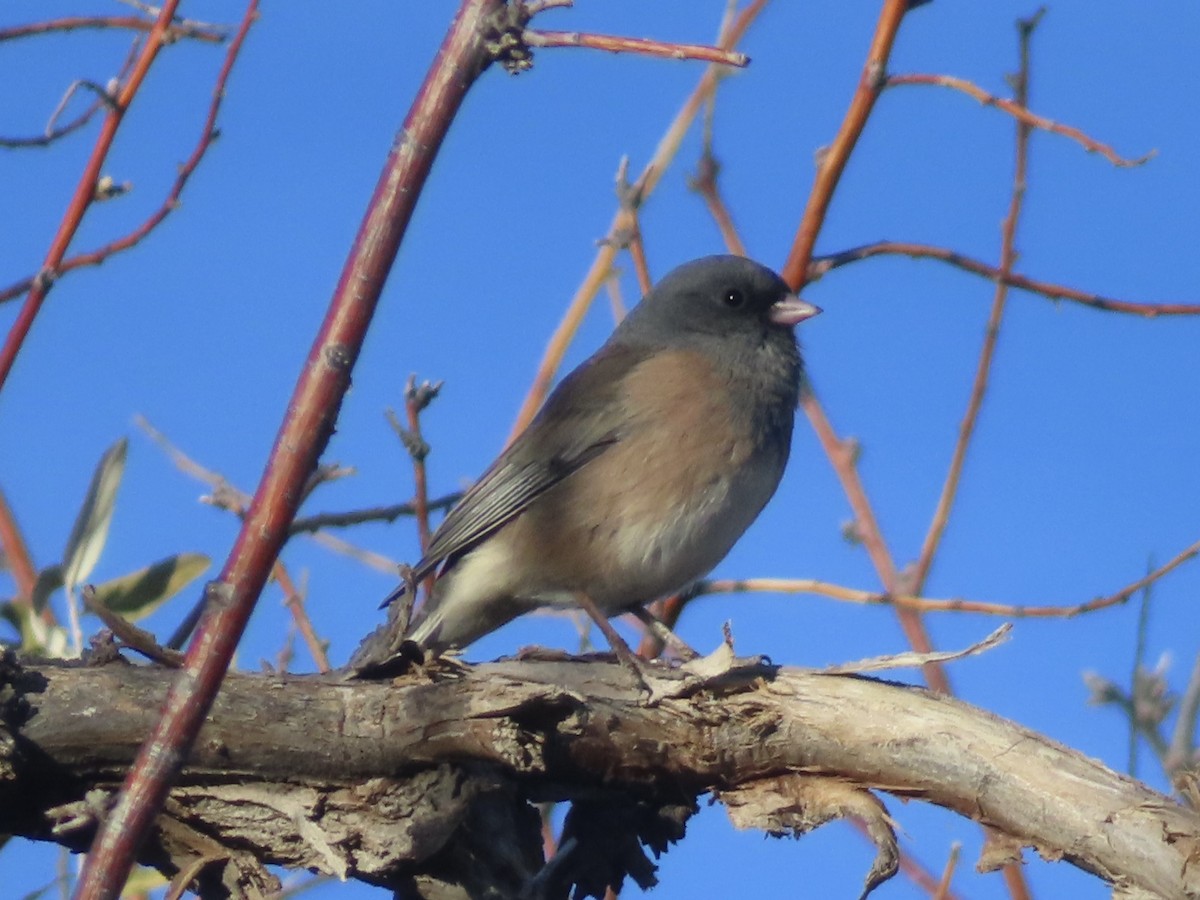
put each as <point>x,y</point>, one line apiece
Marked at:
<point>129,634</point>
<point>564,333</point>
<point>1139,658</point>
<point>232,499</point>
<point>602,265</point>
<point>910,659</point>
<point>173,32</point>
<point>668,611</point>
<point>843,456</point>
<point>533,7</point>
<point>1181,754</point>
<point>637,252</point>
<point>84,193</point>
<point>704,183</point>
<point>833,159</point>
<point>943,887</point>
<point>306,427</point>
<point>1019,111</point>
<point>55,265</point>
<point>149,9</point>
<point>325,473</point>
<point>643,46</point>
<point>390,513</point>
<point>416,398</point>
<point>824,264</point>
<point>615,301</point>
<point>956,604</point>
<point>53,131</point>
<point>987,353</point>
<point>294,600</point>
<point>629,197</point>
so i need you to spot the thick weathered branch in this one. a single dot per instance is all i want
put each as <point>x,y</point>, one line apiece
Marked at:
<point>384,781</point>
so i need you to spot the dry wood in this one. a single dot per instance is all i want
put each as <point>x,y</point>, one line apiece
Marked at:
<point>399,783</point>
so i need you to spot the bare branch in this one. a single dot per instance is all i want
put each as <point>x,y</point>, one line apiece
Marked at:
<point>1008,258</point>
<point>927,604</point>
<point>84,193</point>
<point>1018,111</point>
<point>643,46</point>
<point>306,428</point>
<point>823,264</point>
<point>832,160</point>
<point>601,267</point>
<point>529,724</point>
<point>54,269</point>
<point>173,32</point>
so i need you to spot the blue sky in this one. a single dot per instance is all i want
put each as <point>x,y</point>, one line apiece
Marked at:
<point>1085,463</point>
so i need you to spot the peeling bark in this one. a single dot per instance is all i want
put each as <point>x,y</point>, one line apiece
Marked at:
<point>424,783</point>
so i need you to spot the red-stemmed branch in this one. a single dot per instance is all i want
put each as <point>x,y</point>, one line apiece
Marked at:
<point>85,190</point>
<point>602,266</point>
<point>17,557</point>
<point>54,131</point>
<point>174,31</point>
<point>1020,112</point>
<point>987,353</point>
<point>950,604</point>
<point>643,46</point>
<point>834,158</point>
<point>824,264</point>
<point>208,134</point>
<point>303,434</point>
<point>842,454</point>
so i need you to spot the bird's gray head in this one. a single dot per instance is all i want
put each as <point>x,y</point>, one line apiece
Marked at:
<point>716,296</point>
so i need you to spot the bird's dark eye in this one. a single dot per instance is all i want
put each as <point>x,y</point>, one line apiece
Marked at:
<point>734,298</point>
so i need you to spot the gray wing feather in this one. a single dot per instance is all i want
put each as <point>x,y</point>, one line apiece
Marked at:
<point>503,493</point>
<point>581,431</point>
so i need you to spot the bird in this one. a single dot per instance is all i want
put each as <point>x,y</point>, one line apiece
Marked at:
<point>640,471</point>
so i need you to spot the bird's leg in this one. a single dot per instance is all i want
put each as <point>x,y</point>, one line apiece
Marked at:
<point>664,634</point>
<point>619,647</point>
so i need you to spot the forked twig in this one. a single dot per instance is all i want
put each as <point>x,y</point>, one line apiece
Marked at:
<point>56,263</point>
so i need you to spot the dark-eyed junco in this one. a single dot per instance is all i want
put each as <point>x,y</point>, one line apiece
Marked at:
<point>641,470</point>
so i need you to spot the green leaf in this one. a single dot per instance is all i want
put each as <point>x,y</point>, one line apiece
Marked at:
<point>142,881</point>
<point>37,637</point>
<point>49,580</point>
<point>140,593</point>
<point>91,525</point>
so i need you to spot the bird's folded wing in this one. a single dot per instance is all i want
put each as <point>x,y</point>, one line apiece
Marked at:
<point>564,437</point>
<point>497,498</point>
<point>500,495</point>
